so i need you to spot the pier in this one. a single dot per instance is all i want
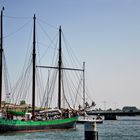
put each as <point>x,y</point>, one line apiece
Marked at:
<point>111,115</point>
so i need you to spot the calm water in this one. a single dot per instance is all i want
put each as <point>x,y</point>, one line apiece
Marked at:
<point>125,128</point>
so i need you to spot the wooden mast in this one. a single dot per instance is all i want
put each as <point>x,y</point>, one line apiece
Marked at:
<point>1,55</point>
<point>34,65</point>
<point>84,99</point>
<point>59,70</point>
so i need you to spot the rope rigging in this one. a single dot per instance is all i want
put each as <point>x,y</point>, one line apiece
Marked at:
<point>46,85</point>
<point>17,30</point>
<point>7,82</point>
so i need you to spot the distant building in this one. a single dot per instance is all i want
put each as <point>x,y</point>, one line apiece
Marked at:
<point>129,109</point>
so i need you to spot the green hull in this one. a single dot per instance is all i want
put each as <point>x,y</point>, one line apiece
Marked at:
<point>18,125</point>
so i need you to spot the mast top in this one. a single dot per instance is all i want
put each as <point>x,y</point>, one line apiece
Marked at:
<point>34,17</point>
<point>60,28</point>
<point>3,9</point>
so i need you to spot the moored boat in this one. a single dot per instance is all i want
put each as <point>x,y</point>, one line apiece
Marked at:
<point>8,125</point>
<point>87,118</point>
<point>12,120</point>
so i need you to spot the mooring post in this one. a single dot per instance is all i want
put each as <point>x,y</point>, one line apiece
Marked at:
<point>91,131</point>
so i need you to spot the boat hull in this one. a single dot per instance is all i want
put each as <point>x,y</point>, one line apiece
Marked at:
<point>18,125</point>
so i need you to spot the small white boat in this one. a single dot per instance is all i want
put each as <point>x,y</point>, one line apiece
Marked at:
<point>83,119</point>
<point>87,119</point>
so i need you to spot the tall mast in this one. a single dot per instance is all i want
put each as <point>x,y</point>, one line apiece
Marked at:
<point>1,54</point>
<point>34,65</point>
<point>59,70</point>
<point>84,85</point>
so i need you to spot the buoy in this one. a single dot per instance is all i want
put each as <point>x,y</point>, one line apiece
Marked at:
<point>91,131</point>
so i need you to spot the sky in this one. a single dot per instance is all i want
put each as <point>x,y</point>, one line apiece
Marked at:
<point>103,33</point>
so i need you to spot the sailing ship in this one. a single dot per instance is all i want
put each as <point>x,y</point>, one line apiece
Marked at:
<point>12,120</point>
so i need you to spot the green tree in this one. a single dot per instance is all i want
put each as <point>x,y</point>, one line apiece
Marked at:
<point>22,102</point>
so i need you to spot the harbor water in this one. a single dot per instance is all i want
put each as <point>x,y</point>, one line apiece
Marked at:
<point>125,128</point>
